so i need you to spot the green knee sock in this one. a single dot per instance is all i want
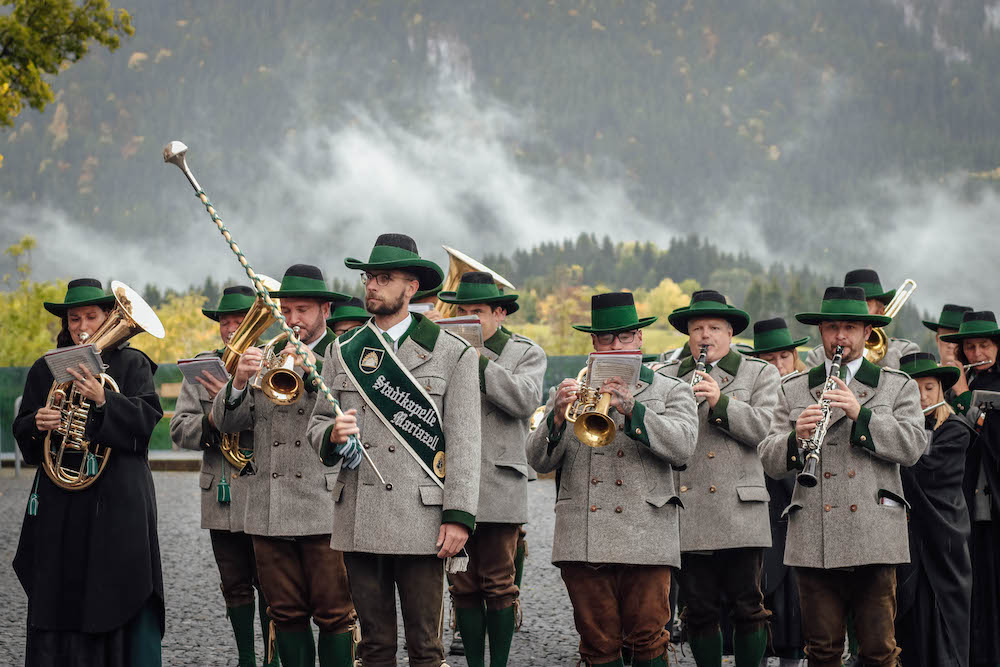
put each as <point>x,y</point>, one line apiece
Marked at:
<point>270,658</point>
<point>296,648</point>
<point>660,661</point>
<point>707,651</point>
<point>336,650</point>
<point>472,624</point>
<point>500,627</point>
<point>749,648</point>
<point>614,663</point>
<point>242,619</point>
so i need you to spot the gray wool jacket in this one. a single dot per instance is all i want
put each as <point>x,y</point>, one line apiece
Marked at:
<point>898,348</point>
<point>291,494</point>
<point>405,520</point>
<point>725,498</point>
<point>190,429</point>
<point>618,503</point>
<point>511,372</point>
<point>856,514</point>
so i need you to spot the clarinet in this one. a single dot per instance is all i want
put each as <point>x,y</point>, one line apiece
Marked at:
<point>700,366</point>
<point>813,445</point>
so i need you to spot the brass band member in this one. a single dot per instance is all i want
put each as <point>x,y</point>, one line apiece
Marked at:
<point>978,338</point>
<point>411,392</point>
<point>511,371</point>
<point>288,499</point>
<point>877,299</point>
<point>847,533</point>
<point>89,560</point>
<point>773,343</point>
<point>947,323</point>
<point>725,525</point>
<point>347,316</point>
<point>616,508</point>
<point>223,490</point>
<point>935,589</point>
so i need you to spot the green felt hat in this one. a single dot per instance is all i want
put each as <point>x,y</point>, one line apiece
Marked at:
<point>399,251</point>
<point>305,281</point>
<point>975,324</point>
<point>950,318</point>
<point>868,280</point>
<point>80,292</point>
<point>353,309</point>
<point>613,312</point>
<point>708,303</point>
<point>424,293</point>
<point>844,304</point>
<point>773,335</point>
<point>924,364</point>
<point>237,299</point>
<point>480,287</point>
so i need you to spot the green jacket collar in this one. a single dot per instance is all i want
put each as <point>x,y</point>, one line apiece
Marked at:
<point>729,363</point>
<point>868,374</point>
<point>646,374</point>
<point>423,332</point>
<point>497,342</point>
<point>324,342</point>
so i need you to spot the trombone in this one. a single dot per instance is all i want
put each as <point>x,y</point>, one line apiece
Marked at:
<point>878,342</point>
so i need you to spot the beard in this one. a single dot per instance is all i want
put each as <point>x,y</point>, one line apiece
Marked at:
<point>384,306</point>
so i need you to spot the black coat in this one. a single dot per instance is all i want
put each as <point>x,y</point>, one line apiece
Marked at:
<point>781,594</point>
<point>984,454</point>
<point>935,588</point>
<point>90,559</point>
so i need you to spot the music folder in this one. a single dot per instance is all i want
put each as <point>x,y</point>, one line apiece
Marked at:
<point>59,359</point>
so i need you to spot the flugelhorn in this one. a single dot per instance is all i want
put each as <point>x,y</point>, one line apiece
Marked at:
<point>277,376</point>
<point>130,316</point>
<point>589,414</point>
<point>174,153</point>
<point>878,342</point>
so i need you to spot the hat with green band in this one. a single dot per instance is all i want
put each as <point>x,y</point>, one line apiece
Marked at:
<point>237,299</point>
<point>80,292</point>
<point>844,304</point>
<point>924,364</point>
<point>613,312</point>
<point>424,293</point>
<point>305,281</point>
<point>353,309</point>
<point>399,251</point>
<point>868,280</point>
<point>773,336</point>
<point>975,324</point>
<point>480,287</point>
<point>950,318</point>
<point>708,303</point>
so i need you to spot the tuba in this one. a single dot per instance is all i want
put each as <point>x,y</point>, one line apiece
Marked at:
<point>277,376</point>
<point>70,460</point>
<point>589,414</point>
<point>459,264</point>
<point>257,320</point>
<point>878,343</point>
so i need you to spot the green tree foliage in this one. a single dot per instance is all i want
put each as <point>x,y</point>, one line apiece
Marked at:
<point>29,329</point>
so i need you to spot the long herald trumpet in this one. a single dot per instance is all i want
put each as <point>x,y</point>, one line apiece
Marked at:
<point>174,153</point>
<point>878,342</point>
<point>589,414</point>
<point>814,444</point>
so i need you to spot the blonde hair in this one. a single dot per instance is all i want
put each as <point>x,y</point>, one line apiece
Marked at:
<point>800,365</point>
<point>941,412</point>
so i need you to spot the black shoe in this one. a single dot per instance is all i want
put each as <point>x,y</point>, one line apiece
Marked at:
<point>457,647</point>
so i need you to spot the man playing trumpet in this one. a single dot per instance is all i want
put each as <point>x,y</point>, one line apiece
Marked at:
<point>616,509</point>
<point>289,499</point>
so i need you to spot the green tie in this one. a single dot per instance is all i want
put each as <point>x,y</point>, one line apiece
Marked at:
<point>843,372</point>
<point>388,339</point>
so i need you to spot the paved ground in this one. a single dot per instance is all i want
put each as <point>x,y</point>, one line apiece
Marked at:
<point>198,632</point>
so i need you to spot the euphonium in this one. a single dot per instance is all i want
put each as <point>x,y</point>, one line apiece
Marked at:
<point>878,343</point>
<point>130,316</point>
<point>257,320</point>
<point>277,376</point>
<point>589,414</point>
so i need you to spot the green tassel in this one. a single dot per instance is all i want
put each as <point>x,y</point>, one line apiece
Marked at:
<point>224,495</point>
<point>91,469</point>
<point>33,504</point>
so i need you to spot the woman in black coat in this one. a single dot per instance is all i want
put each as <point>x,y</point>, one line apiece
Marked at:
<point>934,590</point>
<point>89,560</point>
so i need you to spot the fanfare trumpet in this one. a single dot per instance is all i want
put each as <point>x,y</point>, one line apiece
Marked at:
<point>589,414</point>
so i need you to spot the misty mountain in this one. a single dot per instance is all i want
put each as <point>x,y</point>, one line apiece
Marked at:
<point>832,134</point>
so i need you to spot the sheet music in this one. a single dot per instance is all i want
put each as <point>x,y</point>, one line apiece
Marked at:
<point>192,368</point>
<point>469,328</point>
<point>60,359</point>
<point>420,307</point>
<point>603,366</point>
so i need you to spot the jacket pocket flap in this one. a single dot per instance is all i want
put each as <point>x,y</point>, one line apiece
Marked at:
<point>660,500</point>
<point>521,468</point>
<point>206,480</point>
<point>793,507</point>
<point>331,481</point>
<point>895,498</point>
<point>338,490</point>
<point>753,493</point>
<point>431,495</point>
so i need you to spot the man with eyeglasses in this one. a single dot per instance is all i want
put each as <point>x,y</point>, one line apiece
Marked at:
<point>410,396</point>
<point>725,526</point>
<point>616,506</point>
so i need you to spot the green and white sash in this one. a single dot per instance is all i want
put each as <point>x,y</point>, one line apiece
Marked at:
<point>396,397</point>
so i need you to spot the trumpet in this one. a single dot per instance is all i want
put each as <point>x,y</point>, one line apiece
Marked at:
<point>699,367</point>
<point>589,414</point>
<point>277,376</point>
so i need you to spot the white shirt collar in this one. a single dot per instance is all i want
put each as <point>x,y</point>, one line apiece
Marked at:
<point>852,368</point>
<point>396,331</point>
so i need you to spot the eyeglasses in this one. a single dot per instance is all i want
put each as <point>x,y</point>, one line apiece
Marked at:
<point>624,337</point>
<point>382,279</point>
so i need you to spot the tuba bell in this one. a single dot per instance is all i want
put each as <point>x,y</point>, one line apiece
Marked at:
<point>257,320</point>
<point>878,343</point>
<point>459,263</point>
<point>69,458</point>
<point>589,414</point>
